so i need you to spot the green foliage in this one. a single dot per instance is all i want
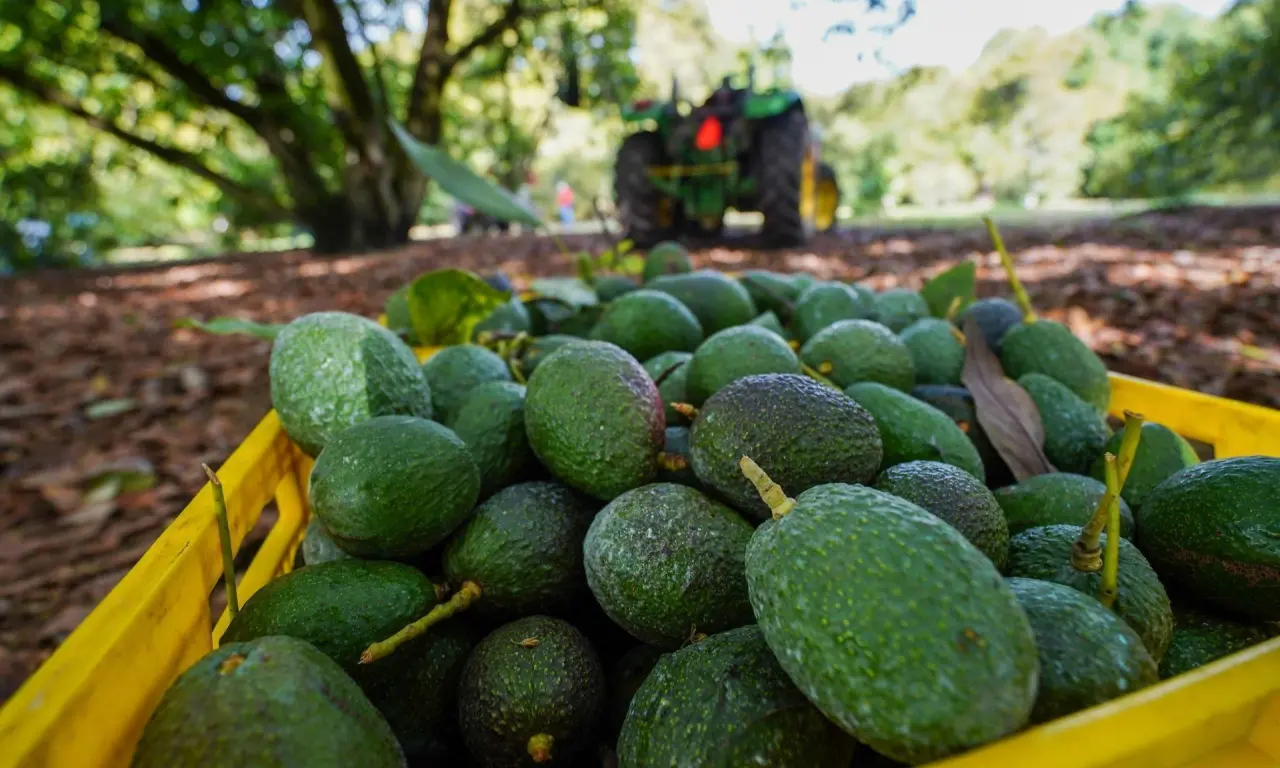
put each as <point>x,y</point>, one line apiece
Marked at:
<point>225,326</point>
<point>445,305</point>
<point>949,292</point>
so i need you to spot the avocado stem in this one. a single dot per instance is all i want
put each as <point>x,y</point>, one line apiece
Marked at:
<point>770,493</point>
<point>672,462</point>
<point>467,594</point>
<point>959,336</point>
<point>540,747</point>
<point>817,376</point>
<point>224,537</point>
<point>1128,445</point>
<point>953,308</point>
<point>1024,301</point>
<point>1111,560</point>
<point>686,410</point>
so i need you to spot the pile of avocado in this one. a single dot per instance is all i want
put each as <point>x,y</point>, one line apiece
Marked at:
<point>712,521</point>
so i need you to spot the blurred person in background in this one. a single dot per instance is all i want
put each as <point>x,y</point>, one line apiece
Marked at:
<point>564,202</point>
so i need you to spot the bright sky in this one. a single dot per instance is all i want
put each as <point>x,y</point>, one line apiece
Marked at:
<point>948,33</point>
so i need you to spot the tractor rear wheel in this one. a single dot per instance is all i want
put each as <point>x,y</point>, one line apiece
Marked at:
<point>643,211</point>
<point>781,152</point>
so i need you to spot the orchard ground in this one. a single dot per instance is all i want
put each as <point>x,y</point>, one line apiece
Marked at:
<point>94,376</point>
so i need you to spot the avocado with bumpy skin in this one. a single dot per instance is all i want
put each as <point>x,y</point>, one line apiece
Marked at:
<point>956,497</point>
<point>825,303</point>
<point>898,308</point>
<point>936,354</point>
<point>416,688</point>
<point>995,317</point>
<point>674,388</point>
<point>1088,655</point>
<point>1213,531</point>
<point>491,422</point>
<point>394,486</point>
<point>1074,433</point>
<point>717,301</point>
<point>725,702</point>
<point>664,560</point>
<point>850,351</point>
<point>217,713</point>
<point>454,371</point>
<point>805,433</point>
<point>594,418</point>
<point>646,323</point>
<point>1056,498</point>
<point>318,546</point>
<point>512,317</point>
<point>957,404</point>
<point>1045,553</point>
<point>1161,453</point>
<point>532,691</point>
<point>769,321</point>
<point>733,353</point>
<point>1199,638</point>
<point>913,430</point>
<point>610,287</point>
<point>1050,348</point>
<point>677,444</point>
<point>868,601</point>
<point>771,291</point>
<point>339,607</point>
<point>540,347</point>
<point>332,370</point>
<point>524,548</point>
<point>666,258</point>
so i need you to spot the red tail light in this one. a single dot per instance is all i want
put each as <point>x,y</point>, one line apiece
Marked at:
<point>709,135</point>
<point>642,104</point>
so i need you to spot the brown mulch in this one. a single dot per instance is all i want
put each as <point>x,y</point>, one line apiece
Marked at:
<point>1189,297</point>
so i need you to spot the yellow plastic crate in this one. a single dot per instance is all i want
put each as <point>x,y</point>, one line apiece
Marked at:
<point>87,705</point>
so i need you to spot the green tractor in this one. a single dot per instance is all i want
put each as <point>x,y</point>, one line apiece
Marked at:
<point>744,149</point>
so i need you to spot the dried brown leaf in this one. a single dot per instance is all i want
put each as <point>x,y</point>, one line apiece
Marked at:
<point>1006,412</point>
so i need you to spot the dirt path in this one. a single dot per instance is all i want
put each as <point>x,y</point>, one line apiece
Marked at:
<point>1191,298</point>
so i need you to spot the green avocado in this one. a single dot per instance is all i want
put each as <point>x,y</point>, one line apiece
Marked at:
<point>956,497</point>
<point>912,429</point>
<point>532,691</point>
<point>825,303</point>
<point>625,677</point>
<point>733,353</point>
<point>665,561</point>
<point>1045,553</point>
<point>271,701</point>
<point>581,393</point>
<point>1050,348</point>
<point>865,291</point>
<point>1213,530</point>
<point>318,546</point>
<point>674,388</point>
<point>995,317</point>
<point>725,702</point>
<point>1074,433</point>
<point>851,351</point>
<point>646,323</point>
<point>524,548</point>
<point>868,600</point>
<point>394,486</point>
<point>512,317</point>
<point>803,433</point>
<point>331,370</point>
<point>677,444</point>
<point>898,308</point>
<point>490,421</point>
<point>769,321</point>
<point>454,371</point>
<point>666,258</point>
<point>416,688</point>
<point>936,354</point>
<point>1088,655</point>
<point>1161,453</point>
<point>339,607</point>
<point>717,301</point>
<point>957,404</point>
<point>1056,498</point>
<point>771,291</point>
<point>540,347</point>
<point>610,287</point>
<point>1199,638</point>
